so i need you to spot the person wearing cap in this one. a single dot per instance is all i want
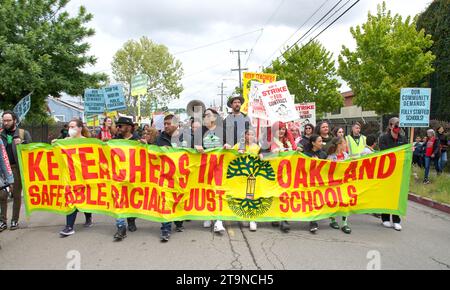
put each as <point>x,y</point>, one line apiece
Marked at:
<point>356,141</point>
<point>236,122</point>
<point>392,138</point>
<point>125,131</point>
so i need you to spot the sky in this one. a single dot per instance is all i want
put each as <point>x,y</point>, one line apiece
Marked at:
<point>201,33</point>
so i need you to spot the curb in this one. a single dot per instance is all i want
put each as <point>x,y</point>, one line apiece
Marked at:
<point>429,202</point>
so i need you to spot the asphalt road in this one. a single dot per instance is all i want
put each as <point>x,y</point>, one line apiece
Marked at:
<point>424,243</point>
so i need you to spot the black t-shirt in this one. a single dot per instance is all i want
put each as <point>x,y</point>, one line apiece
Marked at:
<point>9,146</point>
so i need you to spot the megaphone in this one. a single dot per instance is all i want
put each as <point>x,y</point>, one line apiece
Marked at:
<point>195,108</point>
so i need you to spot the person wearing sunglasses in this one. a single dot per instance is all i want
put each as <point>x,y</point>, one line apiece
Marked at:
<point>307,133</point>
<point>125,131</point>
<point>392,138</point>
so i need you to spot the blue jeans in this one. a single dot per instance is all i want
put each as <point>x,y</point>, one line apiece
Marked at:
<point>121,222</point>
<point>70,219</point>
<point>167,227</point>
<point>443,160</point>
<point>428,163</point>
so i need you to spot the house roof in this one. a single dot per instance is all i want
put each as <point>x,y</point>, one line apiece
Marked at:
<point>73,106</point>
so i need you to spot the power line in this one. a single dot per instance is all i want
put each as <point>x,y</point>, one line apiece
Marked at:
<point>262,31</point>
<point>329,17</point>
<point>309,18</point>
<point>217,42</point>
<point>334,21</point>
<point>312,27</point>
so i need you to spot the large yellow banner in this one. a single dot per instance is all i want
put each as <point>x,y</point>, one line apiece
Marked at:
<point>256,77</point>
<point>127,179</point>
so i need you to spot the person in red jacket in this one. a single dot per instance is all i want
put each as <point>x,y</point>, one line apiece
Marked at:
<point>432,152</point>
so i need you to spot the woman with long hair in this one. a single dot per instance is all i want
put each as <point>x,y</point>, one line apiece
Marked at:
<point>315,151</point>
<point>212,137</point>
<point>338,152</point>
<point>282,138</point>
<point>107,131</point>
<point>308,131</point>
<point>76,130</point>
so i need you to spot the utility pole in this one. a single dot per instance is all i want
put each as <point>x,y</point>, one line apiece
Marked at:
<point>239,65</point>
<point>221,96</point>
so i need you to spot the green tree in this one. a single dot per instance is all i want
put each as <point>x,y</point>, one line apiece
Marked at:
<point>435,20</point>
<point>144,56</point>
<point>42,50</point>
<point>389,55</point>
<point>311,76</point>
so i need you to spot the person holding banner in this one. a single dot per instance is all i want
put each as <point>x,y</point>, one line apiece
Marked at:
<point>337,153</point>
<point>323,130</point>
<point>12,136</point>
<point>282,141</point>
<point>391,139</point>
<point>6,177</point>
<point>212,137</point>
<point>125,132</point>
<point>236,122</point>
<point>76,130</point>
<point>170,138</point>
<point>356,142</point>
<point>248,144</point>
<point>315,151</point>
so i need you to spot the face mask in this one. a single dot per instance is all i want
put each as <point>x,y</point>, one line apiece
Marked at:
<point>396,130</point>
<point>72,132</point>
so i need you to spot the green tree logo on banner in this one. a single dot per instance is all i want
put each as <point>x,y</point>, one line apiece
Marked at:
<point>250,167</point>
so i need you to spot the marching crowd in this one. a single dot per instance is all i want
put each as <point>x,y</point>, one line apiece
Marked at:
<point>211,131</point>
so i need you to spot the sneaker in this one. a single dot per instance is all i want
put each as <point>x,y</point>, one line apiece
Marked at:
<point>120,234</point>
<point>426,181</point>
<point>67,231</point>
<point>179,229</point>
<point>334,224</point>
<point>245,224</point>
<point>387,224</point>
<point>88,223</point>
<point>253,226</point>
<point>275,224</point>
<point>313,227</point>
<point>14,226</point>
<point>207,224</point>
<point>165,237</point>
<point>218,227</point>
<point>346,229</point>
<point>132,225</point>
<point>3,226</point>
<point>284,226</point>
<point>397,227</point>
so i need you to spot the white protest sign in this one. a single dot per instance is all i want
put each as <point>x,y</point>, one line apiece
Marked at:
<point>307,112</point>
<point>256,110</point>
<point>278,102</point>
